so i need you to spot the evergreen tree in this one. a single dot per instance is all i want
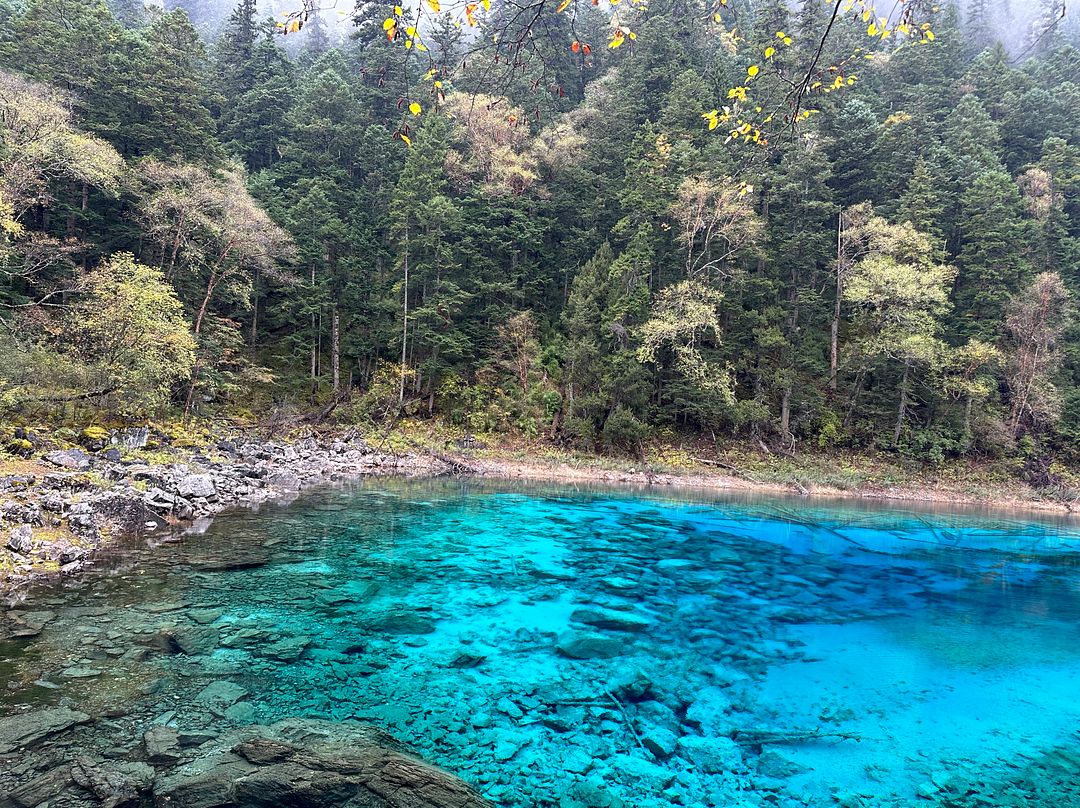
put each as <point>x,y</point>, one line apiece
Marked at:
<point>991,259</point>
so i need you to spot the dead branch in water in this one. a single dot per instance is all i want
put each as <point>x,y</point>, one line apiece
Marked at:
<point>759,736</point>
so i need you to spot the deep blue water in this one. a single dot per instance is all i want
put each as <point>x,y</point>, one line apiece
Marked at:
<point>570,648</point>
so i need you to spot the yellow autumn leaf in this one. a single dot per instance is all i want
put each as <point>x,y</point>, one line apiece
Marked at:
<point>408,44</point>
<point>415,108</point>
<point>769,51</point>
<point>752,70</point>
<point>872,29</point>
<point>562,6</point>
<point>616,40</point>
<point>486,4</point>
<point>408,140</point>
<point>434,6</point>
<point>389,23</point>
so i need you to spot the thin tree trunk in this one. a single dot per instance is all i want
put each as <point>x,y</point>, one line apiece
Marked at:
<point>785,411</point>
<point>335,348</point>
<point>404,325</point>
<point>903,405</point>
<point>313,370</point>
<point>255,307</point>
<point>834,352</point>
<point>855,391</point>
<point>199,317</point>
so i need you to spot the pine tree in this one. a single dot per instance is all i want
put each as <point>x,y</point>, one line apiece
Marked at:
<point>854,130</point>
<point>979,24</point>
<point>922,203</point>
<point>316,37</point>
<point>256,123</point>
<point>991,258</point>
<point>236,74</point>
<point>173,117</point>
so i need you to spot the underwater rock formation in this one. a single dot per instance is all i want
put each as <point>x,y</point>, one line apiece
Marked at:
<point>302,763</point>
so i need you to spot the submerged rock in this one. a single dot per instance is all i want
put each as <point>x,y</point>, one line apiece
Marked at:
<point>710,755</point>
<point>114,784</point>
<point>17,731</point>
<point>29,624</point>
<point>192,640</point>
<point>404,623</point>
<point>220,694</point>
<point>306,762</point>
<point>611,620</point>
<point>162,744</point>
<point>589,646</point>
<point>288,649</point>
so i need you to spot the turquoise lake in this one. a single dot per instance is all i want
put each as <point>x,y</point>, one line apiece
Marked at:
<point>589,648</point>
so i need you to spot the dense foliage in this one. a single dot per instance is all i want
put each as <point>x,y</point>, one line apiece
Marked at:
<point>583,252</point>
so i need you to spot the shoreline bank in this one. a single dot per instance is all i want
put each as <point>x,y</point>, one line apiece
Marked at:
<point>58,509</point>
<point>1012,499</point>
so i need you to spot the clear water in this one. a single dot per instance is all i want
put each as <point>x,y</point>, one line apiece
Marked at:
<point>577,648</point>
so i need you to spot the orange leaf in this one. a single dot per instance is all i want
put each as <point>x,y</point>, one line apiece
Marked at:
<point>562,6</point>
<point>575,46</point>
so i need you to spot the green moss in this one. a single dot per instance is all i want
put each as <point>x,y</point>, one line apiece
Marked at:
<point>20,446</point>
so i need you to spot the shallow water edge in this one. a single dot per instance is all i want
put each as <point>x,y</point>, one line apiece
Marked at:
<point>574,646</point>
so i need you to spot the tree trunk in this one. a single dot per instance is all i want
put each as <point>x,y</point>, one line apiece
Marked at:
<point>404,324</point>
<point>785,411</point>
<point>199,317</point>
<point>834,353</point>
<point>902,411</point>
<point>335,348</point>
<point>313,370</point>
<point>855,391</point>
<point>255,306</point>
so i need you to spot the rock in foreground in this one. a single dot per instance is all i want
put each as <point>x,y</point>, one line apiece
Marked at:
<point>18,731</point>
<point>306,762</point>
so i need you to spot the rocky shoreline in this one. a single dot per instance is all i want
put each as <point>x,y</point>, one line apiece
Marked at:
<point>73,502</point>
<point>76,502</point>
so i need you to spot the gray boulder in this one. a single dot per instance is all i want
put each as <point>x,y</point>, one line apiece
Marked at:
<point>21,539</point>
<point>115,784</point>
<point>134,438</point>
<point>196,485</point>
<point>74,459</point>
<point>18,731</point>
<point>162,744</point>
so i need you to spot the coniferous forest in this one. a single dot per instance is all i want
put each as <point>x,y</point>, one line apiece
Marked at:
<point>791,224</point>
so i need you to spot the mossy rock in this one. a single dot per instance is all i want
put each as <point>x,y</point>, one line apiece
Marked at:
<point>94,437</point>
<point>20,447</point>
